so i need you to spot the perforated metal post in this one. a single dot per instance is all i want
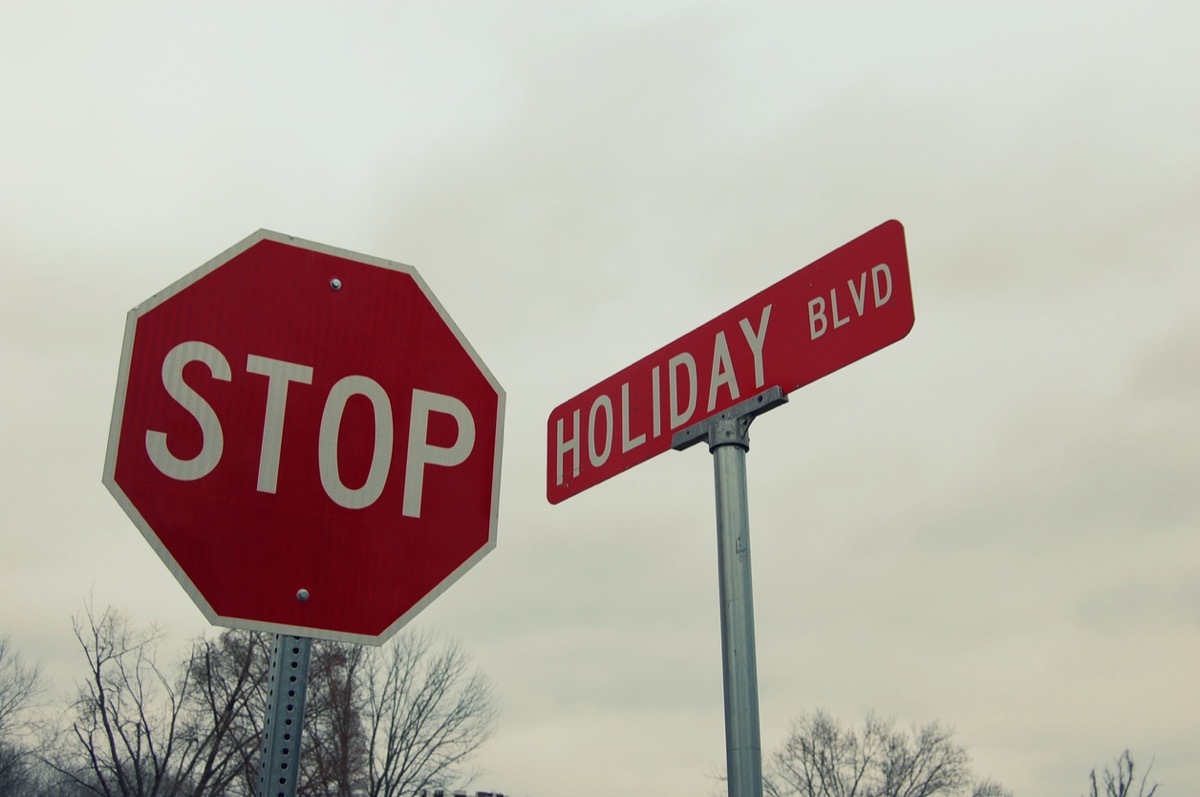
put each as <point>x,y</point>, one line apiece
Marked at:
<point>279,769</point>
<point>728,437</point>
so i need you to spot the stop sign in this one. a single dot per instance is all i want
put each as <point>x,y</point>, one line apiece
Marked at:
<point>307,440</point>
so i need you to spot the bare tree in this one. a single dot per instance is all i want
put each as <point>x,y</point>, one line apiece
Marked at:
<point>334,743</point>
<point>820,758</point>
<point>426,713</point>
<point>1119,781</point>
<point>379,722</point>
<point>135,730</point>
<point>20,685</point>
<point>124,716</point>
<point>229,674</point>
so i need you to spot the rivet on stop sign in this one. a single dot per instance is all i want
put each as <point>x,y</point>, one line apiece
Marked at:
<point>336,284</point>
<point>302,595</point>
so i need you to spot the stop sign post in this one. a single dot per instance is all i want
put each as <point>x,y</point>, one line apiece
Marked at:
<point>307,440</point>
<point>313,448</point>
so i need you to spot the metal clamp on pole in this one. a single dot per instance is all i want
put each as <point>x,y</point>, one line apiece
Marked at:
<point>731,427</point>
<point>728,439</point>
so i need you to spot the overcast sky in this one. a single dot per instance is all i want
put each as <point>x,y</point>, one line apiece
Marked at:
<point>994,523</point>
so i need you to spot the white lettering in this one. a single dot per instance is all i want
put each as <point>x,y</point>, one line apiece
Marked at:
<point>212,438</point>
<point>860,295</point>
<point>627,443</point>
<point>421,453</point>
<point>833,311</point>
<point>598,458</point>
<point>571,445</point>
<point>689,364</point>
<point>281,374</point>
<point>816,313</point>
<point>722,372</point>
<point>881,298</point>
<point>756,340</point>
<point>656,399</point>
<point>327,442</point>
<point>278,374</point>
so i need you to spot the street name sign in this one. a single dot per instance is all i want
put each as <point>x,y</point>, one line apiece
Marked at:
<point>307,439</point>
<point>846,305</point>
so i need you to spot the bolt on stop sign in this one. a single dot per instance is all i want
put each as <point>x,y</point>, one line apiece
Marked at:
<point>306,439</point>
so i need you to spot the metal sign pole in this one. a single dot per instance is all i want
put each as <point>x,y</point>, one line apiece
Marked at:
<point>728,440</point>
<point>279,769</point>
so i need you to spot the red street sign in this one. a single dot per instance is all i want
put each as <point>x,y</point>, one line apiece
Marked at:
<point>850,303</point>
<point>306,439</point>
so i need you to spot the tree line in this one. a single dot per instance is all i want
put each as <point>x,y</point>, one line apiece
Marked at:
<point>821,757</point>
<point>379,722</point>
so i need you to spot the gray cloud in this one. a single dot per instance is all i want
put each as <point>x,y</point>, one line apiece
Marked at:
<point>991,523</point>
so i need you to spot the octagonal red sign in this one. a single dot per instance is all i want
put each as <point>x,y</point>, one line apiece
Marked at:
<point>306,439</point>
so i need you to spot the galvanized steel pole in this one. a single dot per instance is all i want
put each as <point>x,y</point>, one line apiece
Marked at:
<point>743,747</point>
<point>728,440</point>
<point>279,768</point>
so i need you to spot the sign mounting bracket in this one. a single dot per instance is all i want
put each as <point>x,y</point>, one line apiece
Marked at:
<point>731,427</point>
